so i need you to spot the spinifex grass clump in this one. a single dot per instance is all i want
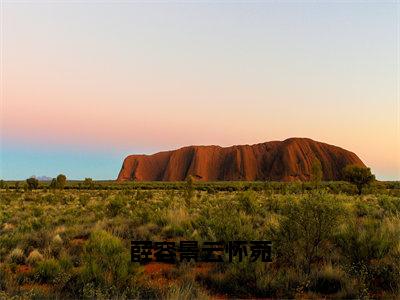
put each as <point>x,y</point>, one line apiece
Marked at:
<point>17,256</point>
<point>34,258</point>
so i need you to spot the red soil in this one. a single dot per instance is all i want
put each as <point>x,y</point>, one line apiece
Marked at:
<point>77,242</point>
<point>155,267</point>
<point>44,288</point>
<point>288,160</point>
<point>24,269</point>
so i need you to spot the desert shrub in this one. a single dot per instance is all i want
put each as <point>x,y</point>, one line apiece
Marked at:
<point>115,205</point>
<point>371,253</point>
<point>143,195</point>
<point>292,188</point>
<point>176,215</point>
<point>106,260</point>
<point>30,197</point>
<point>376,187</point>
<point>49,198</point>
<point>3,184</point>
<point>75,250</point>
<point>88,182</point>
<point>39,239</point>
<point>283,283</point>
<point>176,220</point>
<point>66,263</point>
<point>329,280</point>
<point>361,243</point>
<point>6,199</point>
<point>46,271</point>
<point>367,209</point>
<point>37,211</point>
<point>224,222</point>
<point>4,274</point>
<point>56,245</point>
<point>307,225</point>
<point>84,199</point>
<point>145,231</point>
<point>144,213</point>
<point>186,289</point>
<point>247,201</point>
<point>273,204</point>
<point>391,205</point>
<point>34,258</point>
<point>17,256</point>
<point>171,231</point>
<point>32,183</point>
<point>251,279</point>
<point>53,184</point>
<point>240,278</point>
<point>344,188</point>
<point>16,185</point>
<point>210,190</point>
<point>384,275</point>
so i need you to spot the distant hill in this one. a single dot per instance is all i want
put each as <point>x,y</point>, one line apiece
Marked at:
<point>287,160</point>
<point>42,178</point>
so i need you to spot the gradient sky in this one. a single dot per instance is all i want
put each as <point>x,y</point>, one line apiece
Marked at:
<point>84,83</point>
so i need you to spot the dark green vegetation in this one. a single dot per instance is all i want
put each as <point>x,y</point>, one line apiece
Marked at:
<point>335,187</point>
<point>359,176</point>
<point>32,183</point>
<point>73,241</point>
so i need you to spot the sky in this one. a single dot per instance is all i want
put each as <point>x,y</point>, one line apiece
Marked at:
<point>85,83</point>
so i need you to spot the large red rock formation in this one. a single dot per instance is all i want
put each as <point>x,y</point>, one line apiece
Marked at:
<point>287,160</point>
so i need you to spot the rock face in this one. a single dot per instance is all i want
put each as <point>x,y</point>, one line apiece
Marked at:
<point>288,160</point>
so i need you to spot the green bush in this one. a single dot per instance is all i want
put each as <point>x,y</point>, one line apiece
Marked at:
<point>225,222</point>
<point>115,205</point>
<point>17,256</point>
<point>247,201</point>
<point>328,281</point>
<point>371,252</point>
<point>84,199</point>
<point>47,270</point>
<point>359,176</point>
<point>308,224</point>
<point>391,205</point>
<point>3,184</point>
<point>32,183</point>
<point>88,182</point>
<point>106,260</point>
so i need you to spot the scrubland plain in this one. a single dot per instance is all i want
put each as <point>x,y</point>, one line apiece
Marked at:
<point>327,241</point>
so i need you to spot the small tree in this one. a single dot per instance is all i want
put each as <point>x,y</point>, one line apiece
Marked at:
<point>88,182</point>
<point>316,172</point>
<point>359,176</point>
<point>32,183</point>
<point>61,181</point>
<point>53,184</point>
<point>3,184</point>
